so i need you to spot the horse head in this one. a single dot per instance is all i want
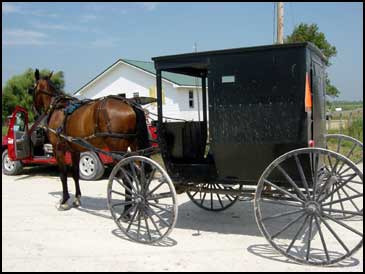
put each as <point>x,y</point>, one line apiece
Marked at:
<point>43,91</point>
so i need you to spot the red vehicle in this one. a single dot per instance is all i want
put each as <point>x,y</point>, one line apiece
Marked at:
<point>23,146</point>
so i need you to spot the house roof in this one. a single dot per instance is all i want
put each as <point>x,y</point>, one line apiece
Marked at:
<point>178,79</point>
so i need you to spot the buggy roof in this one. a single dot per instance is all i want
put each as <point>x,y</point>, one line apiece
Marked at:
<point>196,63</point>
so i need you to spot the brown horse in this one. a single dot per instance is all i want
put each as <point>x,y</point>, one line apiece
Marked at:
<point>108,116</point>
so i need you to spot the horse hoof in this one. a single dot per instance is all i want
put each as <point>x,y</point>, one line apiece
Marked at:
<point>63,207</point>
<point>76,203</point>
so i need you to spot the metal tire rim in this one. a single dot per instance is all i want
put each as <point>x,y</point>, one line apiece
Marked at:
<point>87,165</point>
<point>9,165</point>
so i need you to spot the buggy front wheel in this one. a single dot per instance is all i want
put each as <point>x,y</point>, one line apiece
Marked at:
<point>142,199</point>
<point>297,199</point>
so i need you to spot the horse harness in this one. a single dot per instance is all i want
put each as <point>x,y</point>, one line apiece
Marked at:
<point>71,104</point>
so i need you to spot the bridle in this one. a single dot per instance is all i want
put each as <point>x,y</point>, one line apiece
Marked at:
<point>55,96</point>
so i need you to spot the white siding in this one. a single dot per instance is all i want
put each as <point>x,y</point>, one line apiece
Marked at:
<point>123,78</point>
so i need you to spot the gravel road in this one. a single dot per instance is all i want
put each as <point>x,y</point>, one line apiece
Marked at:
<point>37,237</point>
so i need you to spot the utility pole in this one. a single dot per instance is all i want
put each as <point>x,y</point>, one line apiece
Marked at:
<point>280,22</point>
<point>196,85</point>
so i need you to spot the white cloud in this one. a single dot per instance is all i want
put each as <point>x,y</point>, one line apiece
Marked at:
<point>149,5</point>
<point>10,8</point>
<point>14,37</point>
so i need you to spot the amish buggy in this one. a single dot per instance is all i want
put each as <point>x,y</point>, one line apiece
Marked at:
<point>262,137</point>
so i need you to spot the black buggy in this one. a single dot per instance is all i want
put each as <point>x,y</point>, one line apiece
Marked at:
<point>262,135</point>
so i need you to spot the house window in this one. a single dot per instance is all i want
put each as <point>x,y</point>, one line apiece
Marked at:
<point>121,95</point>
<point>191,99</point>
<point>135,94</point>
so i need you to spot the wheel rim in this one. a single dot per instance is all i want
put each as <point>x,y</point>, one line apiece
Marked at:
<point>9,165</point>
<point>140,188</point>
<point>211,200</point>
<point>296,213</point>
<point>87,165</point>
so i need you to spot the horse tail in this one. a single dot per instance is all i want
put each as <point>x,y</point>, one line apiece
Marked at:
<point>143,140</point>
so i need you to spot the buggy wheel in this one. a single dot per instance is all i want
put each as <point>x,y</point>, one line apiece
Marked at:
<point>295,202</point>
<point>345,145</point>
<point>142,199</point>
<point>210,200</point>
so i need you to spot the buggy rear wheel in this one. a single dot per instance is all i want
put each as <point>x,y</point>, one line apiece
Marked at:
<point>345,145</point>
<point>297,198</point>
<point>209,199</point>
<point>142,199</point>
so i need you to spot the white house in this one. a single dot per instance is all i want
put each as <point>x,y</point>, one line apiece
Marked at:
<point>182,96</point>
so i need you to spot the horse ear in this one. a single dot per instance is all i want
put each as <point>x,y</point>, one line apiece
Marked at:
<point>36,74</point>
<point>50,75</point>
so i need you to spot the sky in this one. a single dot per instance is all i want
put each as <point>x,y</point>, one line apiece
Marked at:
<point>83,39</point>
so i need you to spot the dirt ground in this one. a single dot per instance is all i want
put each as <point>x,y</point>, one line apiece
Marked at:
<point>37,237</point>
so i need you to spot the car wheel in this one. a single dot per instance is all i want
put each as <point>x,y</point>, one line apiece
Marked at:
<point>10,167</point>
<point>91,167</point>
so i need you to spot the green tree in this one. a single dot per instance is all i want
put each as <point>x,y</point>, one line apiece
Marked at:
<point>15,91</point>
<point>310,33</point>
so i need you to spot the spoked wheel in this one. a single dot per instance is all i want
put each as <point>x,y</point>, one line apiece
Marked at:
<point>210,200</point>
<point>296,199</point>
<point>142,199</point>
<point>345,145</point>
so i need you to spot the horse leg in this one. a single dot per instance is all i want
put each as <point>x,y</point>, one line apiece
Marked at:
<point>60,156</point>
<point>76,175</point>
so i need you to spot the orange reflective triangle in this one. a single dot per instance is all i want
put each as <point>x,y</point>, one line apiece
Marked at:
<point>308,94</point>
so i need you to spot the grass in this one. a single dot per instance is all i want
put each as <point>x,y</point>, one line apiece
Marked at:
<point>355,131</point>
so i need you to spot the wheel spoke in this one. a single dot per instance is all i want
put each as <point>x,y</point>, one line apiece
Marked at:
<point>282,214</point>
<point>290,180</point>
<point>150,178</point>
<point>336,188</point>
<point>343,199</point>
<point>334,233</point>
<point>155,225</point>
<point>287,226</point>
<point>124,203</point>
<point>281,203</point>
<point>120,193</point>
<point>297,234</point>
<point>139,224</point>
<point>219,199</point>
<point>132,220</point>
<point>309,237</point>
<point>342,224</point>
<point>147,227</point>
<point>301,172</point>
<point>158,216</point>
<point>322,238</point>
<point>315,172</point>
<point>123,185</point>
<point>352,202</point>
<point>126,175</point>
<point>134,174</point>
<point>127,212</point>
<point>153,190</point>
<point>283,191</point>
<point>159,207</point>
<point>343,211</point>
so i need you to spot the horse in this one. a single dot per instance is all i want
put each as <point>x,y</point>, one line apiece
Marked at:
<point>109,123</point>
